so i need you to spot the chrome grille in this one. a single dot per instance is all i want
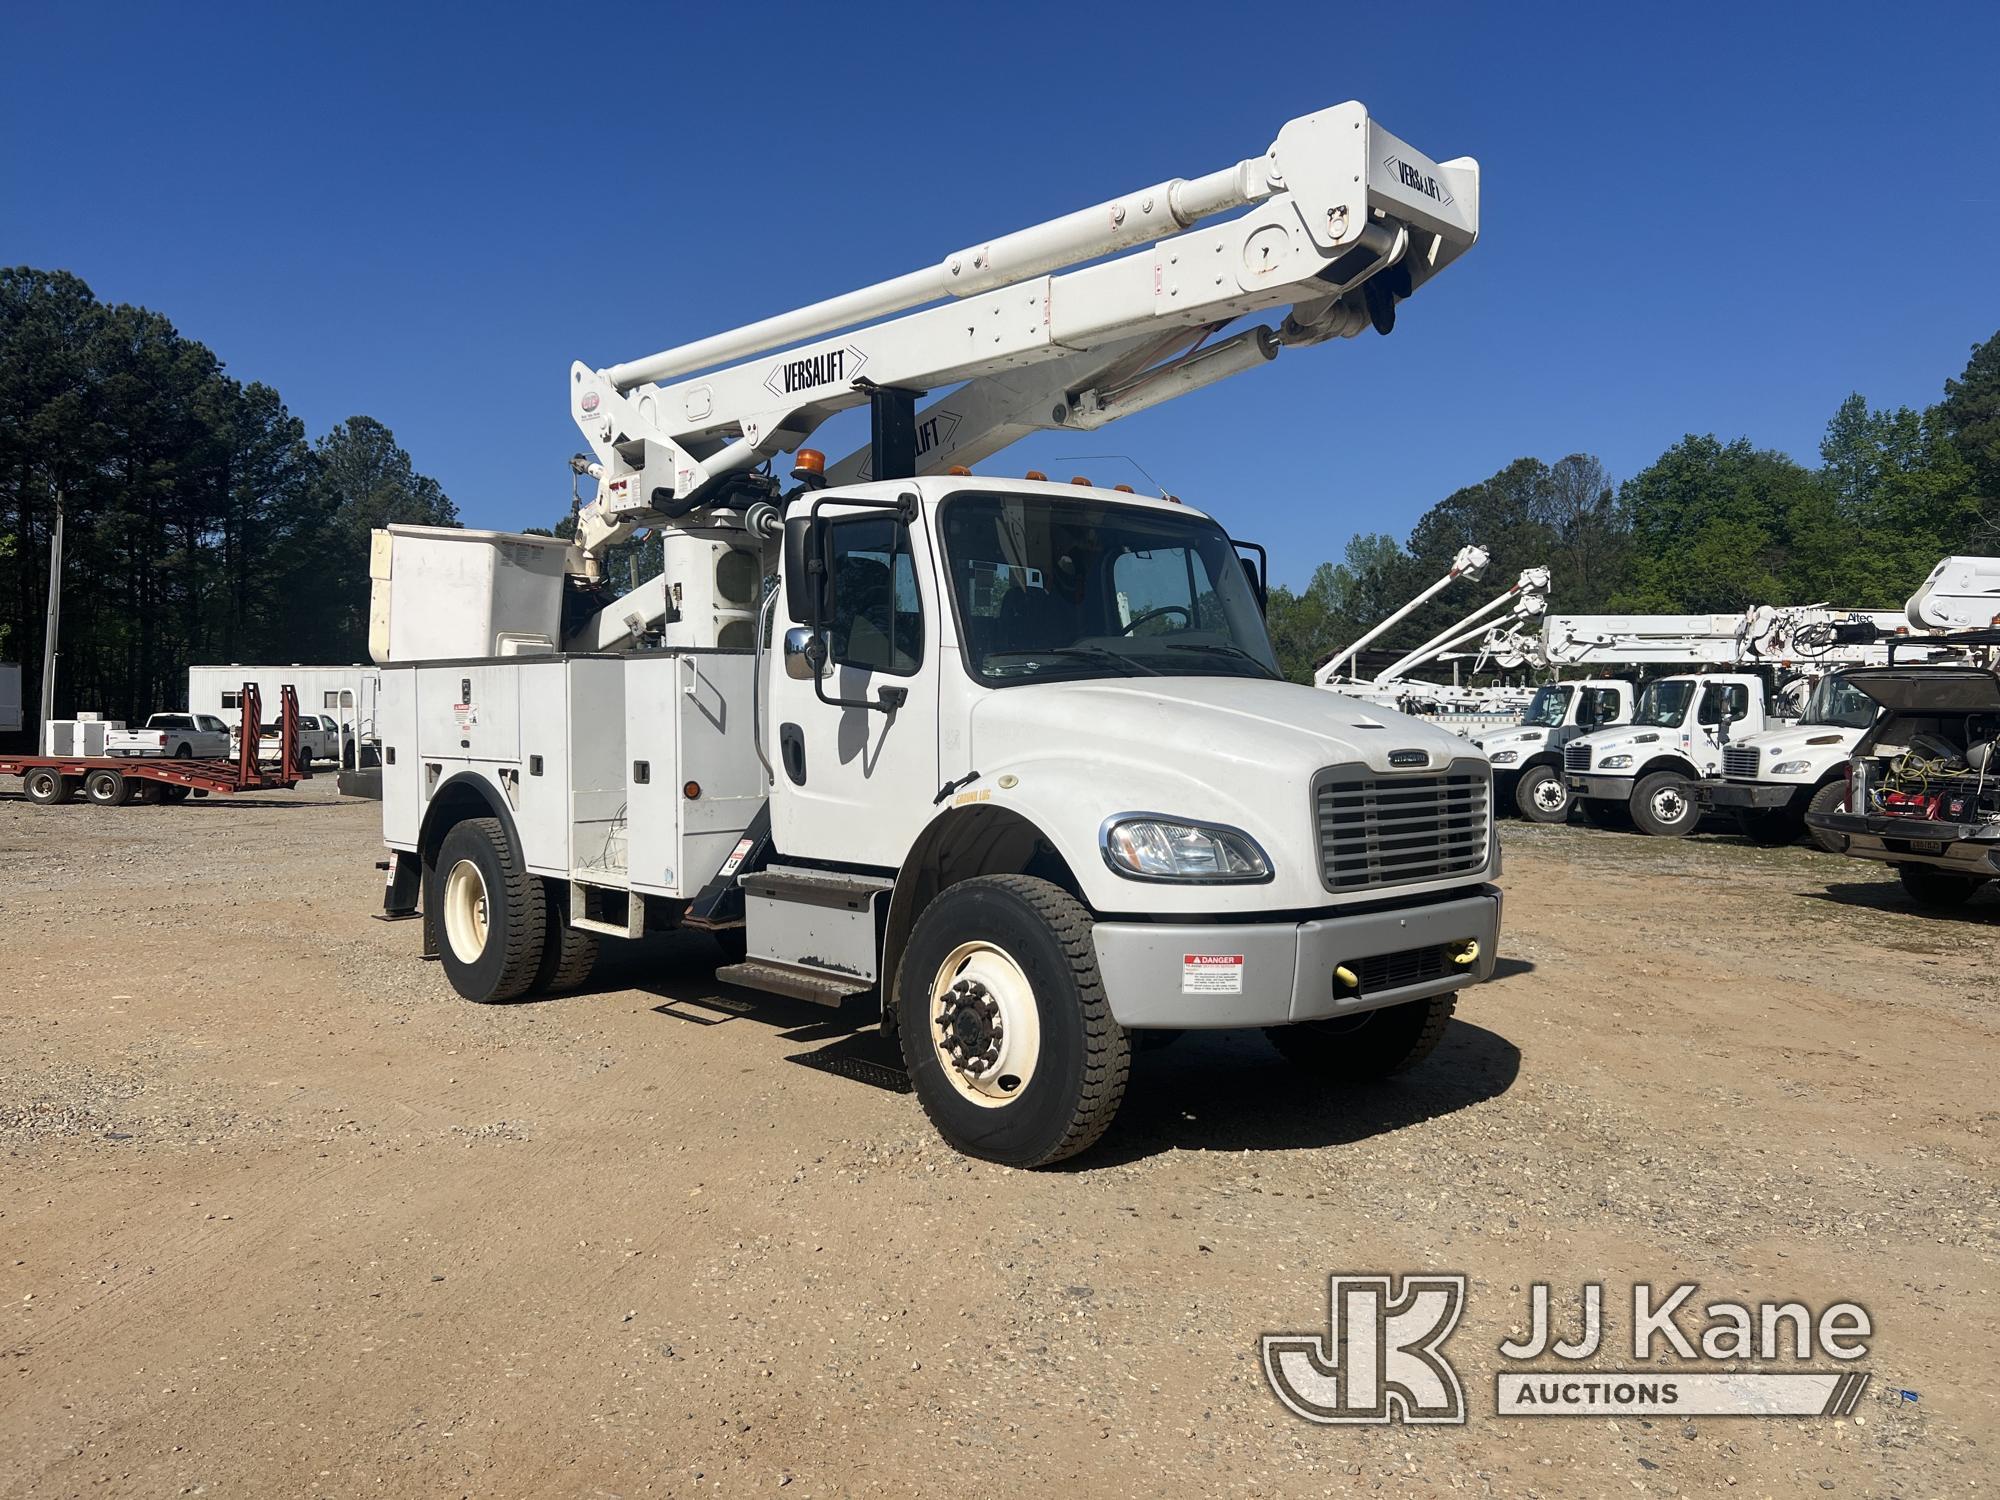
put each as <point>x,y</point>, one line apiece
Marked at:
<point>1379,830</point>
<point>1576,758</point>
<point>1740,760</point>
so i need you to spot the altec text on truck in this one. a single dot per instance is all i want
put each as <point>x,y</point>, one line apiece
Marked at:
<point>1016,765</point>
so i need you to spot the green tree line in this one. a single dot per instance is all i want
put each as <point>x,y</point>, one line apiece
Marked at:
<point>201,524</point>
<point>1708,527</point>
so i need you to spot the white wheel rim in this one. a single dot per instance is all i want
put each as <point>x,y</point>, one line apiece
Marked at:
<point>984,1027</point>
<point>465,911</point>
<point>1550,794</point>
<point>1669,806</point>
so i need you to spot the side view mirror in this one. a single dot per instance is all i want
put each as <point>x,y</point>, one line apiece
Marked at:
<point>803,585</point>
<point>805,653</point>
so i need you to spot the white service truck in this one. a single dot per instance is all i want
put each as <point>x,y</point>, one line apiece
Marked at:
<point>1648,768</point>
<point>1527,757</point>
<point>177,736</point>
<point>1007,761</point>
<point>1771,781</point>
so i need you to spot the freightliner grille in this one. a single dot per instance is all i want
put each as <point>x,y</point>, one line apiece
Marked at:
<point>1740,761</point>
<point>1381,829</point>
<point>1576,758</point>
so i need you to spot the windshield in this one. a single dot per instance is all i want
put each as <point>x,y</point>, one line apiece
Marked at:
<point>1548,708</point>
<point>1837,701</point>
<point>1049,588</point>
<point>1664,704</point>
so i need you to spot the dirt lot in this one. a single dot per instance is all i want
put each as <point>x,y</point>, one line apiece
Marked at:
<point>281,1216</point>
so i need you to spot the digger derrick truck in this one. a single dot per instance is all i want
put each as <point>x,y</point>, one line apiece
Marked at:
<point>1009,760</point>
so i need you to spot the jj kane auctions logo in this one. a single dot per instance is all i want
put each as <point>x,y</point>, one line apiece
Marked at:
<point>1382,1356</point>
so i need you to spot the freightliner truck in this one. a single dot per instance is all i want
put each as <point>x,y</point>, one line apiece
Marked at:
<point>1007,762</point>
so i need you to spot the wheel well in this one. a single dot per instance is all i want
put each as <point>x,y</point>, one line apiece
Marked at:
<point>1666,763</point>
<point>1545,758</point>
<point>464,796</point>
<point>958,846</point>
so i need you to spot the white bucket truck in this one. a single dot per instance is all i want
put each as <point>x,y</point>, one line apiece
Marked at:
<point>1010,759</point>
<point>1527,757</point>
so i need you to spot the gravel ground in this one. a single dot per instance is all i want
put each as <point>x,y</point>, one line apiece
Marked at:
<point>281,1216</point>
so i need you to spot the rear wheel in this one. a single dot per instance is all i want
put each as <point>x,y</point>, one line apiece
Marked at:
<point>1375,1044</point>
<point>491,915</point>
<point>568,953</point>
<point>1542,795</point>
<point>47,787</point>
<point>1939,890</point>
<point>1008,1038</point>
<point>105,788</point>
<point>1831,798</point>
<point>147,792</point>
<point>183,751</point>
<point>1663,805</point>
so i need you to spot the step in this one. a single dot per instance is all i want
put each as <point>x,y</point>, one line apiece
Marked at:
<point>799,983</point>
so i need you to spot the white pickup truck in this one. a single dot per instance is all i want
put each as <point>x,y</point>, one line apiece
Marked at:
<point>319,739</point>
<point>177,736</point>
<point>1676,739</point>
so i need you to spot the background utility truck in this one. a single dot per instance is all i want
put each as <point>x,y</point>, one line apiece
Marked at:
<point>1924,785</point>
<point>1011,758</point>
<point>1527,757</point>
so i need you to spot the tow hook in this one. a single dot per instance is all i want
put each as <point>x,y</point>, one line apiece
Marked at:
<point>1468,954</point>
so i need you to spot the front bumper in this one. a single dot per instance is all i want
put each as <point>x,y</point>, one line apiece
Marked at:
<point>1600,788</point>
<point>1211,975</point>
<point>1963,848</point>
<point>1753,794</point>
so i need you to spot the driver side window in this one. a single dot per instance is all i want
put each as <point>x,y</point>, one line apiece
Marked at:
<point>1724,702</point>
<point>1600,706</point>
<point>875,620</point>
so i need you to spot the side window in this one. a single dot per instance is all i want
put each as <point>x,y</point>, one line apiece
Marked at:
<point>329,700</point>
<point>1600,706</point>
<point>876,620</point>
<point>1724,701</point>
<point>232,700</point>
<point>1164,590</point>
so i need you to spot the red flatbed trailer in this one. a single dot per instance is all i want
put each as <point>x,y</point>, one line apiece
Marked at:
<point>111,780</point>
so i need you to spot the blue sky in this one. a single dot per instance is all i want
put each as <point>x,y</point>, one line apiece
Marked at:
<point>1694,219</point>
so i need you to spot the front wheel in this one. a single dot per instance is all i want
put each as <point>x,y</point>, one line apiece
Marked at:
<point>1009,1041</point>
<point>1663,805</point>
<point>47,787</point>
<point>490,915</point>
<point>1542,795</point>
<point>1375,1044</point>
<point>1831,798</point>
<point>1935,889</point>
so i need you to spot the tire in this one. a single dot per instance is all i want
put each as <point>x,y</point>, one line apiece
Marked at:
<point>46,787</point>
<point>1769,827</point>
<point>347,755</point>
<point>491,915</point>
<point>105,788</point>
<point>1663,804</point>
<point>1542,796</point>
<point>1935,889</point>
<point>175,793</point>
<point>1830,798</point>
<point>183,751</point>
<point>1373,1045</point>
<point>146,792</point>
<point>1007,964</point>
<point>568,953</point>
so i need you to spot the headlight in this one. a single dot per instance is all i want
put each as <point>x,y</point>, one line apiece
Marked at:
<point>1615,763</point>
<point>1144,846</point>
<point>1791,768</point>
<point>1504,757</point>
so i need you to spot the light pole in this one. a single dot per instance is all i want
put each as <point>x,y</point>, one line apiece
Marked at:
<point>54,626</point>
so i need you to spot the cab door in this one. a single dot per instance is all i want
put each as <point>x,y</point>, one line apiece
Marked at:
<point>854,751</point>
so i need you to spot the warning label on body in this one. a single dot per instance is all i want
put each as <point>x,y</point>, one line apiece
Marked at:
<point>1211,973</point>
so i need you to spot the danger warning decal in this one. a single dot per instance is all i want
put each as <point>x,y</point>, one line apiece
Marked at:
<point>1211,973</point>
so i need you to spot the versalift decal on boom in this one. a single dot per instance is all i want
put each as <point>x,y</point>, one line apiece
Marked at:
<point>808,372</point>
<point>1417,178</point>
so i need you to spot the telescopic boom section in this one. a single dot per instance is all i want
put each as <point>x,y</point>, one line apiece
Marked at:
<point>1469,563</point>
<point>1069,323</point>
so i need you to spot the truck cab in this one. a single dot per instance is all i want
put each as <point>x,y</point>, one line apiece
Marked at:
<point>1527,756</point>
<point>1650,766</point>
<point>1771,781</point>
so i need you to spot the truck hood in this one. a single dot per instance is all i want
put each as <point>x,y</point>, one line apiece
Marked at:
<point>1227,750</point>
<point>1208,726</point>
<point>1820,738</point>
